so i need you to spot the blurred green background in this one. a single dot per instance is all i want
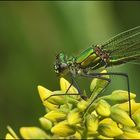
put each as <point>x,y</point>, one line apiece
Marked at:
<point>32,33</point>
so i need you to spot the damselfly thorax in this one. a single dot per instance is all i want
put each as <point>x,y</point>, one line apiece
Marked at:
<point>93,58</point>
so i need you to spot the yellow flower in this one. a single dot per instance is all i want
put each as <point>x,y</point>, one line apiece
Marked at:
<point>77,135</point>
<point>33,133</point>
<point>11,134</point>
<point>46,124</point>
<point>70,117</point>
<point>92,123</point>
<point>125,106</point>
<point>74,117</point>
<point>109,128</point>
<point>121,116</point>
<point>82,105</point>
<point>55,115</point>
<point>136,117</point>
<point>120,96</point>
<point>49,106</point>
<point>129,134</point>
<point>102,108</point>
<point>63,129</point>
<point>103,137</point>
<point>64,85</point>
<point>45,94</point>
<point>97,85</point>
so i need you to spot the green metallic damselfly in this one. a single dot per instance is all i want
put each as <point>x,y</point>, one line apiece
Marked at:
<point>120,49</point>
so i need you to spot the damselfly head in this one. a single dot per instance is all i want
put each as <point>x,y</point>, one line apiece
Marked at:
<point>61,66</point>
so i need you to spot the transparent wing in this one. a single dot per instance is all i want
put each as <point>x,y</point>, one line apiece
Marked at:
<point>118,39</point>
<point>124,45</point>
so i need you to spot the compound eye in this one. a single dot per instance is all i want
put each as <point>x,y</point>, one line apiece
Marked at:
<point>63,65</point>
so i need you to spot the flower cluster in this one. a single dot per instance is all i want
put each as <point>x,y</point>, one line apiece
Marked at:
<point>71,117</point>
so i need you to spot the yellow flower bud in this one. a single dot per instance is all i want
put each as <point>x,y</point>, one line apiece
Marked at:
<point>9,136</point>
<point>46,124</point>
<point>136,117</point>
<point>94,113</point>
<point>74,117</point>
<point>108,128</point>
<point>129,134</point>
<point>77,135</point>
<point>45,93</point>
<point>102,108</point>
<point>82,105</point>
<point>120,96</point>
<point>120,116</point>
<point>49,106</point>
<point>96,82</point>
<point>64,85</point>
<point>55,115</point>
<point>92,123</point>
<point>63,129</point>
<point>125,106</point>
<point>97,86</point>
<point>58,99</point>
<point>33,133</point>
<point>103,137</point>
<point>11,133</point>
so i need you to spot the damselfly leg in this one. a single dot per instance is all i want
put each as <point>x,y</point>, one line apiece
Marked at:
<point>99,76</point>
<point>73,82</point>
<point>96,75</point>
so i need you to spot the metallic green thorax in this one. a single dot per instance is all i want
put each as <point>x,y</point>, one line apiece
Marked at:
<point>89,59</point>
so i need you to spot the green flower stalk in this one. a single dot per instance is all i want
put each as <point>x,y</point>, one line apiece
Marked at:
<point>67,116</point>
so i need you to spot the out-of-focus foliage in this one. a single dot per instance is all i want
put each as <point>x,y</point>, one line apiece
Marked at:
<point>32,33</point>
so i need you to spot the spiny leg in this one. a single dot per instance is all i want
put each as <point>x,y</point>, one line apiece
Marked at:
<point>128,87</point>
<point>96,76</point>
<point>72,83</point>
<point>78,88</point>
<point>127,80</point>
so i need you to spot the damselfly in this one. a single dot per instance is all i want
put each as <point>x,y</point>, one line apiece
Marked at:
<point>120,49</point>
